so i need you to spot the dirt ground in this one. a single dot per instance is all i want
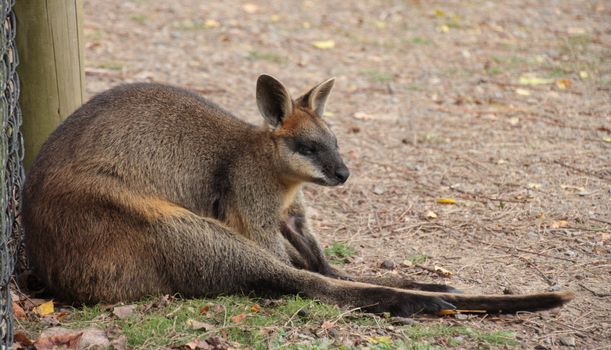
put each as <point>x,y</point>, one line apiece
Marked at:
<point>502,106</point>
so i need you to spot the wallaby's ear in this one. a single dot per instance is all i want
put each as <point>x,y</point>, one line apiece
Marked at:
<point>273,100</point>
<point>316,98</point>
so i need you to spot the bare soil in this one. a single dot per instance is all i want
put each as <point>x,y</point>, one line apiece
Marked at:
<point>503,106</point>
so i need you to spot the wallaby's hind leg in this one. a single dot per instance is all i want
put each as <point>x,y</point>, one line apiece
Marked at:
<point>203,258</point>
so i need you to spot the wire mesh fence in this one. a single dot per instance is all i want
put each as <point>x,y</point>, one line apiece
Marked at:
<point>11,173</point>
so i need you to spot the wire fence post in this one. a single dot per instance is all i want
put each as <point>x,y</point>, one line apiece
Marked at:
<point>11,174</point>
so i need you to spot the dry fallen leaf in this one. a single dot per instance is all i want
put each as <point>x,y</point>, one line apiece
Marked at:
<point>22,340</point>
<point>559,224</point>
<point>18,311</point>
<point>255,308</point>
<point>563,84</point>
<point>533,185</point>
<point>446,201</point>
<point>238,318</point>
<point>533,80</point>
<point>324,44</point>
<point>384,340</point>
<point>443,28</point>
<point>59,339</point>
<point>204,309</point>
<point>250,8</point>
<point>124,311</point>
<point>442,272</point>
<point>198,344</point>
<point>583,75</point>
<point>44,309</point>
<point>522,92</point>
<point>211,23</point>
<point>197,325</point>
<point>430,215</point>
<point>327,325</point>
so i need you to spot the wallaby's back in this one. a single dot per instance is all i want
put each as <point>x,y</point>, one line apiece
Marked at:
<point>128,147</point>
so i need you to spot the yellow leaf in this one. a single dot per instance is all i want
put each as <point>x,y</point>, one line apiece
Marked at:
<point>274,18</point>
<point>211,23</point>
<point>443,272</point>
<point>444,28</point>
<point>255,308</point>
<point>306,25</point>
<point>563,84</point>
<point>328,114</point>
<point>559,224</point>
<point>250,8</point>
<point>238,318</point>
<point>583,74</point>
<point>439,13</point>
<point>532,80</point>
<point>607,139</point>
<point>385,340</point>
<point>45,309</point>
<point>380,24</point>
<point>324,44</point>
<point>522,92</point>
<point>430,215</point>
<point>446,201</point>
<point>533,186</point>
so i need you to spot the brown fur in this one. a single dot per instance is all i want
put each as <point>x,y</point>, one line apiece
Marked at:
<point>150,189</point>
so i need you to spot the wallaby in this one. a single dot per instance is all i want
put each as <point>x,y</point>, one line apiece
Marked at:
<point>149,189</point>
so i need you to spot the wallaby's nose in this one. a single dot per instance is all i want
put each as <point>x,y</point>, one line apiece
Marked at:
<point>342,174</point>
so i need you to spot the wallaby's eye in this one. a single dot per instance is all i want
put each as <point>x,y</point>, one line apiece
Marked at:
<point>306,150</point>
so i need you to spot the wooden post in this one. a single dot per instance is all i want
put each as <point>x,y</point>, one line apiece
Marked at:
<point>51,69</point>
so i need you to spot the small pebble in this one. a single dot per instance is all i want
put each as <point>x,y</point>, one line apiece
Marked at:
<point>303,313</point>
<point>509,291</point>
<point>554,288</point>
<point>458,339</point>
<point>461,317</point>
<point>388,264</point>
<point>402,321</point>
<point>568,341</point>
<point>333,333</point>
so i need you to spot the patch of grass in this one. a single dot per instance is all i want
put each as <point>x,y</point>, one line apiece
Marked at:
<point>288,323</point>
<point>417,259</point>
<point>266,56</point>
<point>379,76</point>
<point>141,19</point>
<point>339,252</point>
<point>423,332</point>
<point>110,65</point>
<point>418,40</point>
<point>579,40</point>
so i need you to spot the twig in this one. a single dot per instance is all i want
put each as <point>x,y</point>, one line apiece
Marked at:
<point>581,170</point>
<point>601,221</point>
<point>474,195</point>
<point>534,266</point>
<point>526,251</point>
<point>596,294</point>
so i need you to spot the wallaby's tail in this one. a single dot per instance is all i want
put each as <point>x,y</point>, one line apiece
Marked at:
<point>509,303</point>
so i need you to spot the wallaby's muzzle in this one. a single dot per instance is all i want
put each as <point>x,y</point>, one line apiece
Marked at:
<point>342,173</point>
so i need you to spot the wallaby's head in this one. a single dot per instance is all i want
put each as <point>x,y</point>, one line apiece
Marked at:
<point>307,147</point>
